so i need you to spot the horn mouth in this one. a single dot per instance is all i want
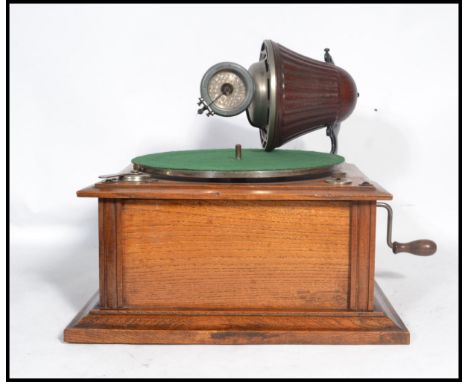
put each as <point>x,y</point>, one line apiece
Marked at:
<point>262,111</point>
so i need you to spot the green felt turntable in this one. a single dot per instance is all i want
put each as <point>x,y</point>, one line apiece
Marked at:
<point>238,163</point>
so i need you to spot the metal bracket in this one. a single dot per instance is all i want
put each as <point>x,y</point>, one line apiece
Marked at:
<point>131,176</point>
<point>339,179</point>
<point>204,107</point>
<point>327,56</point>
<point>332,132</point>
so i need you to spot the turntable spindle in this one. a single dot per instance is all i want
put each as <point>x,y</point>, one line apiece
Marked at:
<point>238,152</point>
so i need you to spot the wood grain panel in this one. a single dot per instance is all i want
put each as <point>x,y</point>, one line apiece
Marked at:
<point>235,255</point>
<point>362,254</point>
<point>108,252</point>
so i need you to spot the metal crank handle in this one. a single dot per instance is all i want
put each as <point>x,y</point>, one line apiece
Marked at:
<point>422,247</point>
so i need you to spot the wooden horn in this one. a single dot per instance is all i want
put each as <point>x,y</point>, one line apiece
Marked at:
<point>296,95</point>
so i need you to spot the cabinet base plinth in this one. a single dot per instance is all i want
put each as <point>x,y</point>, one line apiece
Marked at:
<point>144,326</point>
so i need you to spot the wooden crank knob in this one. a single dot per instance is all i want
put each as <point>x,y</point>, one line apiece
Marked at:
<point>422,247</point>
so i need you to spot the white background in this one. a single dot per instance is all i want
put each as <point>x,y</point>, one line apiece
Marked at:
<point>94,85</point>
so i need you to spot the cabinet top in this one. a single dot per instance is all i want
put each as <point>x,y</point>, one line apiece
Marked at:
<point>346,182</point>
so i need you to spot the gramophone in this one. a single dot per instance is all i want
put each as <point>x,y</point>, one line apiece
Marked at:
<point>247,245</point>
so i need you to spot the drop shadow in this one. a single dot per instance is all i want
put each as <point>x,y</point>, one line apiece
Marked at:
<point>375,146</point>
<point>416,282</point>
<point>389,275</point>
<point>74,269</point>
<point>380,148</point>
<point>220,132</point>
